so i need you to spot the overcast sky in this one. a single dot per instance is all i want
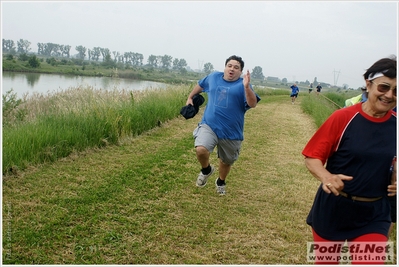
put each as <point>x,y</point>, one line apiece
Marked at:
<point>333,41</point>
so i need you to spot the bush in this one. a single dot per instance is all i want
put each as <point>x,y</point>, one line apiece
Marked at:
<point>23,57</point>
<point>52,61</point>
<point>11,110</point>
<point>64,61</point>
<point>34,62</point>
<point>77,61</point>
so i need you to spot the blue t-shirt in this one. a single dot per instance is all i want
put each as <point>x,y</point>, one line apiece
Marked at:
<point>294,89</point>
<point>226,107</point>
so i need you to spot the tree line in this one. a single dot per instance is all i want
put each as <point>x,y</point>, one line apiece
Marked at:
<point>112,58</point>
<point>99,53</point>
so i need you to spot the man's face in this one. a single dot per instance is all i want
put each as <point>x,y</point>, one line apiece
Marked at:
<point>232,71</point>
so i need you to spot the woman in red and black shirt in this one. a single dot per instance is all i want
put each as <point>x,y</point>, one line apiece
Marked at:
<point>351,154</point>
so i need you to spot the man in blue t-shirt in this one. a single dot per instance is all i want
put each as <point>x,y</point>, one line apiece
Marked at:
<point>222,125</point>
<point>294,92</point>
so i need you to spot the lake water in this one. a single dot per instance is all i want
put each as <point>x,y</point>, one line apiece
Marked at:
<point>23,83</point>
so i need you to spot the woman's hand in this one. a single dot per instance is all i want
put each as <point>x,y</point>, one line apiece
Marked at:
<point>335,183</point>
<point>392,190</point>
<point>332,183</point>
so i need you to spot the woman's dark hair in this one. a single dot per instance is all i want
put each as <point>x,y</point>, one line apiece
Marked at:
<point>385,65</point>
<point>239,59</point>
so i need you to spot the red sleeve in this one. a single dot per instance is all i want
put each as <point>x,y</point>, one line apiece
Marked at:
<point>326,139</point>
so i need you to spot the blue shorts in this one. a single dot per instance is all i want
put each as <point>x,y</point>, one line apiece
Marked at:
<point>228,150</point>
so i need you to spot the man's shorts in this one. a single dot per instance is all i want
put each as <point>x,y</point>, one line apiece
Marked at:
<point>228,150</point>
<point>292,95</point>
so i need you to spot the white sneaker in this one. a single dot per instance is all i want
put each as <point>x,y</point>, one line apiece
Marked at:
<point>221,189</point>
<point>203,179</point>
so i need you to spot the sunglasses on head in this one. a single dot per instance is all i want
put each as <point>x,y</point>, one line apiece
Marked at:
<point>383,88</point>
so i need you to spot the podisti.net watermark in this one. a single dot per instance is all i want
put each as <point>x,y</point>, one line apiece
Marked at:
<point>360,252</point>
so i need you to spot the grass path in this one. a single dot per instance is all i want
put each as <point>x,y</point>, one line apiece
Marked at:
<point>137,203</point>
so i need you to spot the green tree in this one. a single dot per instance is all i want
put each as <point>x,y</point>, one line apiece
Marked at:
<point>175,64</point>
<point>23,57</point>
<point>23,46</point>
<point>257,73</point>
<point>33,62</point>
<point>159,61</point>
<point>137,59</point>
<point>48,49</point>
<point>208,68</point>
<point>105,52</point>
<point>9,46</point>
<point>81,50</point>
<point>128,57</point>
<point>65,50</point>
<point>182,64</point>
<point>40,49</point>
<point>183,71</point>
<point>152,61</point>
<point>108,62</point>
<point>95,53</point>
<point>166,61</point>
<point>116,55</point>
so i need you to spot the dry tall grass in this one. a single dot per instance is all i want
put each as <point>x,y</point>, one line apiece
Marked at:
<point>58,123</point>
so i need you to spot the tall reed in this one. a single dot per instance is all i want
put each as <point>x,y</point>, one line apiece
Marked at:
<point>59,123</point>
<point>318,107</point>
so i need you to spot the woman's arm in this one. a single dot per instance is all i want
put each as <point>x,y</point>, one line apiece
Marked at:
<point>332,183</point>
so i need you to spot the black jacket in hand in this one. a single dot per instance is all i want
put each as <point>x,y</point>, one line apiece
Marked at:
<point>190,111</point>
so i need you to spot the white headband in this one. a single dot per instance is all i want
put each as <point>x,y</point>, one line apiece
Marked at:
<point>376,75</point>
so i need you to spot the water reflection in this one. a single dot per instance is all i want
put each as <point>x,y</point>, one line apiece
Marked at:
<point>11,75</point>
<point>109,82</point>
<point>32,78</point>
<point>29,83</point>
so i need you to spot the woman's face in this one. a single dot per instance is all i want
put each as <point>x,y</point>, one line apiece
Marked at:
<point>380,98</point>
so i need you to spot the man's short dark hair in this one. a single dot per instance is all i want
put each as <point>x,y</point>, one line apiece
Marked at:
<point>237,58</point>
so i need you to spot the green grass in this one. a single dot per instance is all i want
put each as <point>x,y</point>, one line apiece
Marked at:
<point>318,107</point>
<point>136,202</point>
<point>81,118</point>
<point>264,91</point>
